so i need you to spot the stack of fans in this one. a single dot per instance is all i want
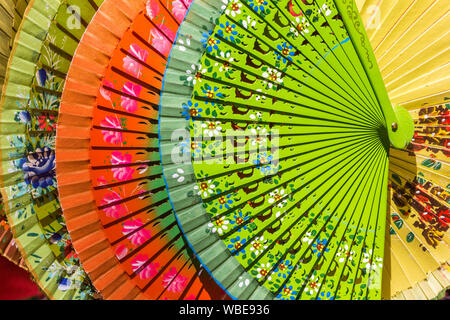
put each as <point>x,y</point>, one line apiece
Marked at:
<point>226,149</point>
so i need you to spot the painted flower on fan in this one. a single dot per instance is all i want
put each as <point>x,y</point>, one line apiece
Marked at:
<point>249,22</point>
<point>183,43</point>
<point>145,271</point>
<point>325,10</point>
<point>219,226</point>
<point>205,189</point>
<point>131,63</point>
<point>224,202</point>
<point>239,219</point>
<point>227,59</point>
<point>288,293</point>
<point>258,245</point>
<point>371,263</point>
<point>283,269</point>
<point>24,116</point>
<point>196,150</point>
<point>344,254</point>
<point>278,195</point>
<point>121,251</point>
<point>312,285</point>
<point>273,75</point>
<point>174,281</point>
<point>131,92</point>
<point>263,271</point>
<point>47,122</point>
<point>191,110</point>
<point>113,210</point>
<point>228,31</point>
<point>233,8</point>
<point>113,137</point>
<point>105,89</point>
<point>211,93</point>
<point>135,232</point>
<point>259,136</point>
<point>179,8</point>
<point>319,247</point>
<point>256,116</point>
<point>152,8</point>
<point>257,5</point>
<point>120,170</point>
<point>284,52</point>
<point>39,167</point>
<point>308,238</point>
<point>4,224</point>
<point>194,74</point>
<point>211,128</point>
<point>301,25</point>
<point>263,162</point>
<point>161,39</point>
<point>260,96</point>
<point>209,42</point>
<point>236,245</point>
<point>325,296</point>
<point>178,175</point>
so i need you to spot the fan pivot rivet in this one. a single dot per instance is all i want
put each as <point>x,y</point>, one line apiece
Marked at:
<point>394,127</point>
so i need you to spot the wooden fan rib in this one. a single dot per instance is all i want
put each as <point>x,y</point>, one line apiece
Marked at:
<point>404,21</point>
<point>354,275</point>
<point>391,15</point>
<point>407,176</point>
<point>418,59</point>
<point>323,208</point>
<point>287,88</point>
<point>279,97</point>
<point>343,239</point>
<point>292,207</point>
<point>330,154</point>
<point>421,231</point>
<point>424,258</point>
<point>436,223</point>
<point>350,64</point>
<point>427,26</point>
<point>337,62</point>
<point>285,283</point>
<point>333,81</point>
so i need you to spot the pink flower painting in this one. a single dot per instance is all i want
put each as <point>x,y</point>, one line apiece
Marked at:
<point>131,63</point>
<point>149,271</point>
<point>113,137</point>
<point>152,7</point>
<point>134,234</point>
<point>121,251</point>
<point>121,172</point>
<point>179,8</point>
<point>174,282</point>
<point>105,92</point>
<point>133,91</point>
<point>114,211</point>
<point>162,40</point>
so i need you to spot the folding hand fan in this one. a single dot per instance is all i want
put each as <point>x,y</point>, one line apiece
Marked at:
<point>410,40</point>
<point>11,13</point>
<point>43,49</point>
<point>108,165</point>
<point>285,127</point>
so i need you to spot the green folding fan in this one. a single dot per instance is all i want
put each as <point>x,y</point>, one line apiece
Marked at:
<point>11,13</point>
<point>40,57</point>
<point>277,117</point>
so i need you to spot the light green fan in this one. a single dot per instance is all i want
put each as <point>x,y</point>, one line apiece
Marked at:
<point>276,115</point>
